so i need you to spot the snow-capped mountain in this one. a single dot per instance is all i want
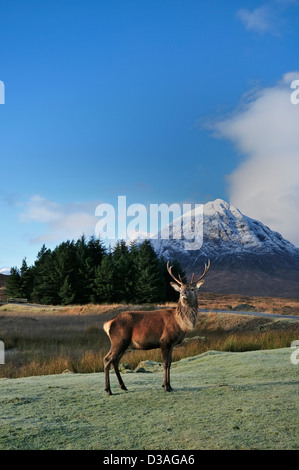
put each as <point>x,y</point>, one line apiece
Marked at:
<point>256,260</point>
<point>225,230</point>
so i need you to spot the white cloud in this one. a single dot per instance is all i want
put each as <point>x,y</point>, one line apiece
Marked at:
<point>269,18</point>
<point>42,210</point>
<point>265,185</point>
<point>62,221</point>
<point>260,19</point>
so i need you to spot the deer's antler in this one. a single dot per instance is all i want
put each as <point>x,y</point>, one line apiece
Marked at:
<point>180,282</point>
<point>207,267</point>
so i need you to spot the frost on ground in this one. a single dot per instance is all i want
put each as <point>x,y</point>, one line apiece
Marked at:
<point>245,400</point>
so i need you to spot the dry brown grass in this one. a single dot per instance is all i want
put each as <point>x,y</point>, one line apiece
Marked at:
<point>42,340</point>
<point>57,310</point>
<point>278,305</point>
<point>2,294</point>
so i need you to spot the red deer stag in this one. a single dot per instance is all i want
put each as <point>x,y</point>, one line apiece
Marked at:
<point>153,329</point>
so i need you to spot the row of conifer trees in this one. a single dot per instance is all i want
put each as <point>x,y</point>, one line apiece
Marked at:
<point>84,271</point>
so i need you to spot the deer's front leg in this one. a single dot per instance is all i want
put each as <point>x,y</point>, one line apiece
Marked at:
<point>166,353</point>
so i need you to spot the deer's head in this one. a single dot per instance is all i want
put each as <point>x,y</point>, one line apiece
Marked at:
<point>188,292</point>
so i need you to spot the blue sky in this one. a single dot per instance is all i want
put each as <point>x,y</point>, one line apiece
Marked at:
<point>157,100</point>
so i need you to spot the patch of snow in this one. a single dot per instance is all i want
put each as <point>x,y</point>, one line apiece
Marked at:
<point>5,271</point>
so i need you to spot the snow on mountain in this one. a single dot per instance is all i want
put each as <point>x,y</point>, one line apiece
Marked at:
<point>5,271</point>
<point>225,231</point>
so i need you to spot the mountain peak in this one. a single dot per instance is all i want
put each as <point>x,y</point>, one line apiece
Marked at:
<point>225,231</point>
<point>217,203</point>
<point>221,206</point>
<point>236,232</point>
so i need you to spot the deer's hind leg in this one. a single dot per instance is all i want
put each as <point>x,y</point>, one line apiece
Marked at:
<point>107,363</point>
<point>119,377</point>
<point>113,357</point>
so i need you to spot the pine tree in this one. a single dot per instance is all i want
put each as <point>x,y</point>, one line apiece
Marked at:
<point>133,271</point>
<point>45,282</point>
<point>96,250</point>
<point>122,268</point>
<point>27,278</point>
<point>81,272</point>
<point>150,284</point>
<point>89,256</point>
<point>13,284</point>
<point>103,287</point>
<point>66,292</point>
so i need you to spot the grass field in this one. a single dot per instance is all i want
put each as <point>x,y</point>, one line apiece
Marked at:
<point>221,400</point>
<point>50,340</point>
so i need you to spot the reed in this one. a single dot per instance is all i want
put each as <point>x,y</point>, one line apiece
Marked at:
<point>83,352</point>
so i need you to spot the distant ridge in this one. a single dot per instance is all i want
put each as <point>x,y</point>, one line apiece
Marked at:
<point>3,279</point>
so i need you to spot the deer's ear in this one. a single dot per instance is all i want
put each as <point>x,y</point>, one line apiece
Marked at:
<point>199,284</point>
<point>175,286</point>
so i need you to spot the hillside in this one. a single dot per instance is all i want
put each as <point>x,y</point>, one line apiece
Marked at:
<point>247,257</point>
<point>3,279</point>
<point>243,400</point>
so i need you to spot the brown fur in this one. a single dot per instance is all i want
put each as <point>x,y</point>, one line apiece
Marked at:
<point>186,317</point>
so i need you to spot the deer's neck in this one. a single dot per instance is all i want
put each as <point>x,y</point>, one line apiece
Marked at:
<point>186,316</point>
